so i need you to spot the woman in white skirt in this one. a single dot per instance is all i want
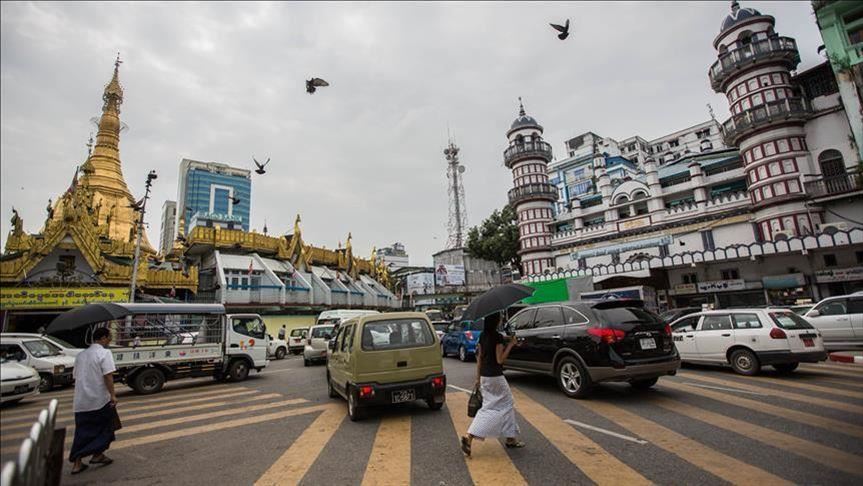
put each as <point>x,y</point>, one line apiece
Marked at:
<point>496,418</point>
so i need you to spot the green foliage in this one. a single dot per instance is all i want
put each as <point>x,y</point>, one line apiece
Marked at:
<point>496,239</point>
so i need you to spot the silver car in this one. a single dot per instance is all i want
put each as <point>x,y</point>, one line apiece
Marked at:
<point>316,345</point>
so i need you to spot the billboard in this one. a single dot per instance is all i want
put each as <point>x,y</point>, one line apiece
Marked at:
<point>449,275</point>
<point>421,283</point>
<point>59,297</point>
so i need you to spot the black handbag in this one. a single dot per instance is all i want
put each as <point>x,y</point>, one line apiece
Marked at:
<point>475,402</point>
<point>115,419</point>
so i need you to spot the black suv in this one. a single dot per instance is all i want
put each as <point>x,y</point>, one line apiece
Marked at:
<point>583,343</point>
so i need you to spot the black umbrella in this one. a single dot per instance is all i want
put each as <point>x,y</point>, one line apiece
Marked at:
<point>86,315</point>
<point>495,300</point>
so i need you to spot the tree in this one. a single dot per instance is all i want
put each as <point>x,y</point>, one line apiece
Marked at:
<point>496,239</point>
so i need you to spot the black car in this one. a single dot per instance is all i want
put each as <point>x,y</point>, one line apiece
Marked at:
<point>584,343</point>
<point>672,315</point>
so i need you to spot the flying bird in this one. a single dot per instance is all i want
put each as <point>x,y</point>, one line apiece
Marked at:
<point>313,84</point>
<point>260,169</point>
<point>563,29</point>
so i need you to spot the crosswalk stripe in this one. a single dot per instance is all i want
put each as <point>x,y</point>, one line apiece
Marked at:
<point>851,384</point>
<point>600,466</point>
<point>691,451</point>
<point>846,375</point>
<point>807,386</point>
<point>42,400</point>
<point>293,465</point>
<point>847,407</point>
<point>841,426</point>
<point>810,450</point>
<point>390,460</point>
<point>838,367</point>
<point>229,424</point>
<point>489,463</point>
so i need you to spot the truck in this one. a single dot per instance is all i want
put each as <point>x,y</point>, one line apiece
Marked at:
<point>157,342</point>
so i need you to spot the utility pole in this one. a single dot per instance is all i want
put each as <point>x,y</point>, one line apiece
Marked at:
<point>143,209</point>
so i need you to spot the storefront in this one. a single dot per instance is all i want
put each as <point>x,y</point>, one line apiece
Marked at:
<point>788,289</point>
<point>720,294</point>
<point>839,281</point>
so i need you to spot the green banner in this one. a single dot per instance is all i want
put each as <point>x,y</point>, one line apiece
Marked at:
<point>550,291</point>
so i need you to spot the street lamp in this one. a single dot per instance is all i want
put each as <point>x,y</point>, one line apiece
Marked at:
<point>140,227</point>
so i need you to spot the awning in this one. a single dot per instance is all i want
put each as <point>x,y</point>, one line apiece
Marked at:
<point>633,274</point>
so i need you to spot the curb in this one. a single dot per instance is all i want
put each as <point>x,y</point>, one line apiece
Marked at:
<point>846,358</point>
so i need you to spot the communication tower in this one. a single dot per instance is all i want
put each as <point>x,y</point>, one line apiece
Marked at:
<point>455,190</point>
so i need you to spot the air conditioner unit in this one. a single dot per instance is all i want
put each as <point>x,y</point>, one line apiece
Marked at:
<point>832,228</point>
<point>783,235</point>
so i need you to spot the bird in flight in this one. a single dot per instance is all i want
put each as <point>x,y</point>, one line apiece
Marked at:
<point>260,169</point>
<point>563,29</point>
<point>313,84</point>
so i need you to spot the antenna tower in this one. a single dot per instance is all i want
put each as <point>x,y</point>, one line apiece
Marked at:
<point>457,224</point>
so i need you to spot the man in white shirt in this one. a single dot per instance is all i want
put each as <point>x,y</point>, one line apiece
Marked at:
<point>94,403</point>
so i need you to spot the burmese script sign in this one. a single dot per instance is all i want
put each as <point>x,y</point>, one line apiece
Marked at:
<point>839,275</point>
<point>12,298</point>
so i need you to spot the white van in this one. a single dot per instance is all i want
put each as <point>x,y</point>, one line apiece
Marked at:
<point>336,316</point>
<point>53,366</point>
<point>840,320</point>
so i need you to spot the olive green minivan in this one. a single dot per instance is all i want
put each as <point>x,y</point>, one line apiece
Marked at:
<point>383,359</point>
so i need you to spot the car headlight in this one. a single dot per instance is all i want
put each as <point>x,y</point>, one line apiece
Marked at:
<point>59,369</point>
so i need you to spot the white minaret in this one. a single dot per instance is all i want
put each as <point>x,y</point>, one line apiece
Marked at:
<point>532,196</point>
<point>767,119</point>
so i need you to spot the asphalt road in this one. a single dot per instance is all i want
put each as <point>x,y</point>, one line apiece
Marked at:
<point>706,426</point>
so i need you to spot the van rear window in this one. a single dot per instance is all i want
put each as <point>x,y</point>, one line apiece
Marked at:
<point>396,334</point>
<point>320,332</point>
<point>790,321</point>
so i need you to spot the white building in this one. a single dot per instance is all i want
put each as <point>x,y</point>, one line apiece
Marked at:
<point>775,220</point>
<point>394,256</point>
<point>169,226</point>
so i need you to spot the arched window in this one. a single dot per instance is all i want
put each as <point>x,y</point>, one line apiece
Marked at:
<point>831,163</point>
<point>621,199</point>
<point>745,38</point>
<point>519,139</point>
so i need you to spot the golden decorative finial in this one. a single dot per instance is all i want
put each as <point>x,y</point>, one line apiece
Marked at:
<point>113,95</point>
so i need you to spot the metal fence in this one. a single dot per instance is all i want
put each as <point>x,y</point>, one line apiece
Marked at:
<point>166,329</point>
<point>40,457</point>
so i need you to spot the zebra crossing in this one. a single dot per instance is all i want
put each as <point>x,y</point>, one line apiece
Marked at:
<point>702,425</point>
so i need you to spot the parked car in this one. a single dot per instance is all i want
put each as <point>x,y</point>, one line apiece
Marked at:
<point>66,348</point>
<point>278,348</point>
<point>19,381</point>
<point>747,339</point>
<point>672,315</point>
<point>440,328</point>
<point>461,339</point>
<point>801,310</point>
<point>316,343</point>
<point>840,320</point>
<point>55,369</point>
<point>296,340</point>
<point>585,343</point>
<point>335,317</point>
<point>386,359</point>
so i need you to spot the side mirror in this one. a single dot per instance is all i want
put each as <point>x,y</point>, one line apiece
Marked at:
<point>813,313</point>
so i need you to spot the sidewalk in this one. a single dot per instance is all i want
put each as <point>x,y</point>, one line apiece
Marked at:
<point>855,357</point>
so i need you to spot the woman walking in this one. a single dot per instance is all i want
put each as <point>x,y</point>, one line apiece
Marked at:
<point>496,418</point>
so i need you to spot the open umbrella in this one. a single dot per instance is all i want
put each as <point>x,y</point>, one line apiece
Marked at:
<point>86,315</point>
<point>495,300</point>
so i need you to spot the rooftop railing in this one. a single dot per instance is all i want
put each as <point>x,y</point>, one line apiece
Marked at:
<point>519,151</point>
<point>835,185</point>
<point>532,191</point>
<point>784,48</point>
<point>740,125</point>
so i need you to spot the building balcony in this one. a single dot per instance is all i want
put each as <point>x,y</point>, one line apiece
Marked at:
<point>528,150</point>
<point>837,186</point>
<point>743,124</point>
<point>731,62</point>
<point>540,191</point>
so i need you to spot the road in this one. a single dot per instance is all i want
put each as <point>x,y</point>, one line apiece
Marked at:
<point>706,426</point>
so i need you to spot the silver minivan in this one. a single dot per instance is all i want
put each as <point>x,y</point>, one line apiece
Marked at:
<point>316,344</point>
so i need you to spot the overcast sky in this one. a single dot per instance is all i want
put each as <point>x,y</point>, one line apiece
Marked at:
<point>222,82</point>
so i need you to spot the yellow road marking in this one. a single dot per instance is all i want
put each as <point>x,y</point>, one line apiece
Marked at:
<point>390,460</point>
<point>828,456</point>
<point>489,462</point>
<point>587,455</point>
<point>807,386</point>
<point>847,407</point>
<point>691,451</point>
<point>850,384</point>
<point>293,465</point>
<point>840,426</point>
<point>833,373</point>
<point>850,368</point>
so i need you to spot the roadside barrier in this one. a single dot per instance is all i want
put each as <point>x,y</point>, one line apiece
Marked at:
<point>40,457</point>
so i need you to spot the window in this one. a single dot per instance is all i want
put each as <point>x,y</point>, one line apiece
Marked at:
<point>615,258</point>
<point>347,338</point>
<point>687,324</point>
<point>707,240</point>
<point>321,332</point>
<point>730,274</point>
<point>690,278</point>
<point>716,323</point>
<point>12,352</point>
<point>67,263</point>
<point>830,260</point>
<point>572,316</point>
<point>833,308</point>
<point>522,320</point>
<point>548,316</point>
<point>789,320</point>
<point>249,326</point>
<point>859,256</point>
<point>396,334</point>
<point>746,321</point>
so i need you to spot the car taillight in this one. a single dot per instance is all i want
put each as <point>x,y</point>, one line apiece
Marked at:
<point>777,333</point>
<point>668,329</point>
<point>438,382</point>
<point>607,335</point>
<point>367,391</point>
<point>468,335</point>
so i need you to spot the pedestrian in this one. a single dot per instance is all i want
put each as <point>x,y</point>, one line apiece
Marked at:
<point>94,403</point>
<point>282,332</point>
<point>496,418</point>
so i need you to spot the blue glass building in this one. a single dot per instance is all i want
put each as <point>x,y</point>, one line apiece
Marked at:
<point>211,193</point>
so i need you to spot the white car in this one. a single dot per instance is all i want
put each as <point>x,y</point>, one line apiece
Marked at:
<point>53,366</point>
<point>840,320</point>
<point>297,339</point>
<point>17,381</point>
<point>65,347</point>
<point>316,345</point>
<point>277,347</point>
<point>747,339</point>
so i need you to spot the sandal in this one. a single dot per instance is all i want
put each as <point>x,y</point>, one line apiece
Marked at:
<point>514,444</point>
<point>465,446</point>
<point>81,469</point>
<point>104,461</point>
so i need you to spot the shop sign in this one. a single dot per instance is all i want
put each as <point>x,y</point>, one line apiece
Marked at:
<point>634,223</point>
<point>683,289</point>
<point>12,298</point>
<point>420,283</point>
<point>621,248</point>
<point>787,281</point>
<point>839,275</point>
<point>721,286</point>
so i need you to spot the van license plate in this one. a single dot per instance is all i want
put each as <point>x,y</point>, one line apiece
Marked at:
<point>22,389</point>
<point>648,343</point>
<point>404,396</point>
<point>808,342</point>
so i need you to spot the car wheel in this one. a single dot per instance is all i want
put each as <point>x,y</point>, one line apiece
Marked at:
<point>462,353</point>
<point>238,371</point>
<point>331,392</point>
<point>433,404</point>
<point>354,410</point>
<point>643,384</point>
<point>786,367</point>
<point>572,378</point>
<point>280,353</point>
<point>745,362</point>
<point>149,381</point>
<point>46,383</point>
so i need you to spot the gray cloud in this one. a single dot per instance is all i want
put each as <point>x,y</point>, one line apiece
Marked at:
<point>223,81</point>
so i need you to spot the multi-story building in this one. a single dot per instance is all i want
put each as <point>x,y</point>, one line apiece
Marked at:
<point>394,257</point>
<point>212,192</point>
<point>774,219</point>
<point>169,227</point>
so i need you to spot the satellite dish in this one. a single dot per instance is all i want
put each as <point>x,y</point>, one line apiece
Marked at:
<point>461,169</point>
